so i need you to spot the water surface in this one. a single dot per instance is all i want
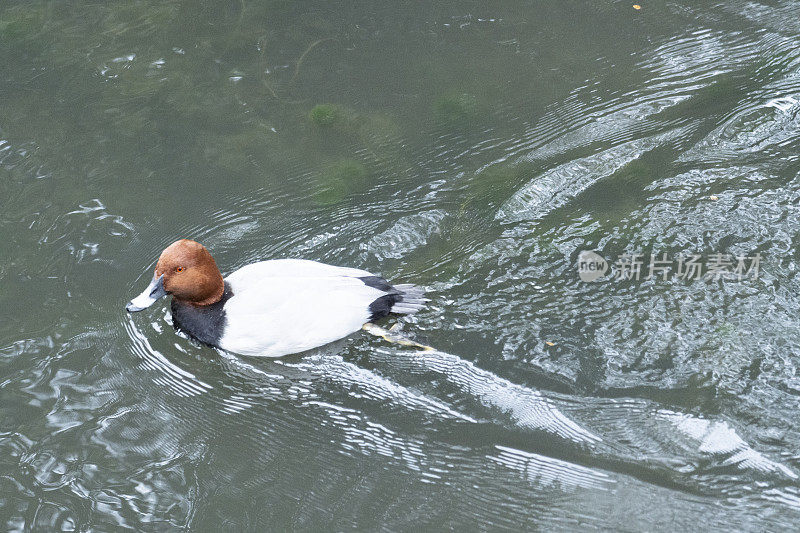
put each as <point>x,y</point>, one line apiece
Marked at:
<point>473,149</point>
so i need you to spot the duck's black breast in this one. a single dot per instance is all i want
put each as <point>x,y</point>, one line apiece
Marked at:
<point>206,324</point>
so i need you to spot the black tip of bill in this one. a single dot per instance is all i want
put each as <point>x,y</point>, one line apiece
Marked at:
<point>153,292</point>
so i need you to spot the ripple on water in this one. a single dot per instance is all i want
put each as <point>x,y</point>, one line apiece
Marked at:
<point>408,233</point>
<point>556,187</point>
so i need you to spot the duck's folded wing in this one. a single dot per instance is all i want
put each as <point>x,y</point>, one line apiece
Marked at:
<point>280,315</point>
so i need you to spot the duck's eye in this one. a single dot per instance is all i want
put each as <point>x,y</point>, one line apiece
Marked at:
<point>179,269</point>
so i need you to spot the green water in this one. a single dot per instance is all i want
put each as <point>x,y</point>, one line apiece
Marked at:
<point>473,148</point>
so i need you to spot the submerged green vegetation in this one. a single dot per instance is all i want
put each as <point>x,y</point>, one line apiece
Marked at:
<point>457,109</point>
<point>195,90</point>
<point>340,179</point>
<point>324,114</point>
<point>165,84</point>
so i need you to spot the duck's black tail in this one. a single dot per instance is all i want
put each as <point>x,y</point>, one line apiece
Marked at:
<point>402,299</point>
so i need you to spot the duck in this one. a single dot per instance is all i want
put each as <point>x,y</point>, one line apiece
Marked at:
<point>270,308</point>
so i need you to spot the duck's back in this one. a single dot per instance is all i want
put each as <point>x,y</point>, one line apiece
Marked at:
<point>291,268</point>
<point>292,305</point>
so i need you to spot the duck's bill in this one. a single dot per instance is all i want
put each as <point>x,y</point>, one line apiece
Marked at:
<point>153,292</point>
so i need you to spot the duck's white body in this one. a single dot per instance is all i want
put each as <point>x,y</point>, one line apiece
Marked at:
<point>292,305</point>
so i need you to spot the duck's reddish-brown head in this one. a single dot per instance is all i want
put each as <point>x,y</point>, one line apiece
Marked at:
<point>187,271</point>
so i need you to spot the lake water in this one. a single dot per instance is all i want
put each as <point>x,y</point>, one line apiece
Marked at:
<point>474,148</point>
